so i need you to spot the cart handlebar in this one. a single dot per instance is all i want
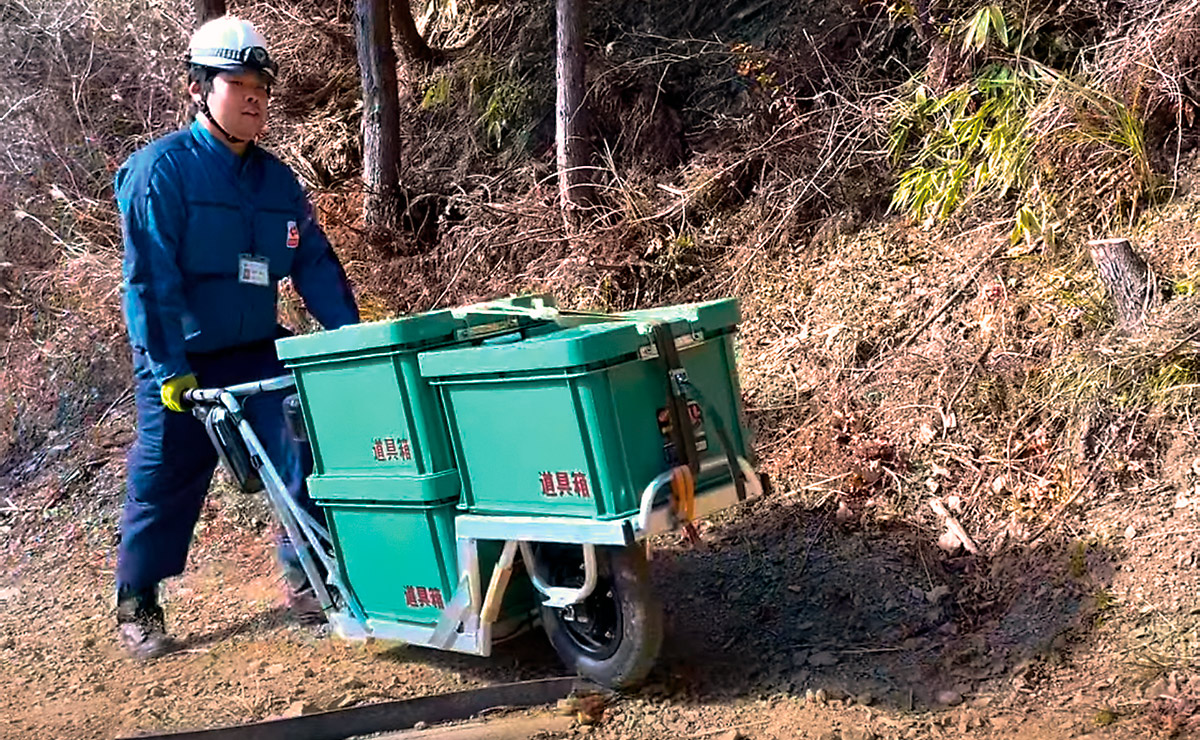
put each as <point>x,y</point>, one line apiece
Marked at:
<point>211,396</point>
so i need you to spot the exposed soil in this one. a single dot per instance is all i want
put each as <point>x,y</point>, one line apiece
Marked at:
<point>782,623</point>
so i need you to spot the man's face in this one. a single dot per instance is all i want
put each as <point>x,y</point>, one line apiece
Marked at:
<point>238,102</point>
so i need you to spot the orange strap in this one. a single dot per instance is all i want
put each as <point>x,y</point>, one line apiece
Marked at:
<point>683,493</point>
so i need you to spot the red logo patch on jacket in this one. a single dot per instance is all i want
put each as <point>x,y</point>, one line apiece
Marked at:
<point>293,235</point>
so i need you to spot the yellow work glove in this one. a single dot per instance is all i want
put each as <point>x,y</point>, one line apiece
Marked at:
<point>172,391</point>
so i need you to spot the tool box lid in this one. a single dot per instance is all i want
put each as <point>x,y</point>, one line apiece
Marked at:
<point>409,332</point>
<point>590,344</point>
<point>607,340</point>
<point>706,316</point>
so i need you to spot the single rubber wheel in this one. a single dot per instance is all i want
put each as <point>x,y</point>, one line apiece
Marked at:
<point>612,637</point>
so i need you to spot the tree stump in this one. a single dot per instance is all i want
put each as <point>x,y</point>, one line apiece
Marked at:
<point>1128,281</point>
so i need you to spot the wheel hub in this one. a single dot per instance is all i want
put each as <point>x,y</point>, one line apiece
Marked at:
<point>595,623</point>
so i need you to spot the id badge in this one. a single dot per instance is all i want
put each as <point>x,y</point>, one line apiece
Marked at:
<point>253,270</point>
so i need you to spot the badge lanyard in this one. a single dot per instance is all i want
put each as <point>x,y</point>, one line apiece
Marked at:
<point>253,269</point>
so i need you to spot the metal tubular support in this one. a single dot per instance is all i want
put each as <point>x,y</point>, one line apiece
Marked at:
<point>754,486</point>
<point>559,596</point>
<point>301,528</point>
<point>214,395</point>
<point>650,492</point>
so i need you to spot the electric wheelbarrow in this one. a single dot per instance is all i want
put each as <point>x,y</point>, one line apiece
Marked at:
<point>491,467</point>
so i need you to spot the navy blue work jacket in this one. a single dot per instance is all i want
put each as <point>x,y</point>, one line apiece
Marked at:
<point>194,214</point>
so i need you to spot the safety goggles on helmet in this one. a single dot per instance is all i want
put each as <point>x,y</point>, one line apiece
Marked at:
<point>252,57</point>
<point>230,44</point>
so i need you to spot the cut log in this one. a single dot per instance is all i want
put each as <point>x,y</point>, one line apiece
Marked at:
<point>1128,281</point>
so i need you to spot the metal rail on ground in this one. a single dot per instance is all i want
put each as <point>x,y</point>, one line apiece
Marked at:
<point>340,724</point>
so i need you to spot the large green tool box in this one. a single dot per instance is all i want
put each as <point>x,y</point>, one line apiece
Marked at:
<point>573,422</point>
<point>368,411</point>
<point>383,465</point>
<point>400,559</point>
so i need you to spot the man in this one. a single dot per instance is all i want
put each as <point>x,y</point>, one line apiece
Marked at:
<point>211,224</point>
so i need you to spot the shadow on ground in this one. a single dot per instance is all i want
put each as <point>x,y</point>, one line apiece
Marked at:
<point>524,657</point>
<point>262,622</point>
<point>784,601</point>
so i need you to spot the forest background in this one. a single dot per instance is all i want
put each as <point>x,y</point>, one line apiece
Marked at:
<point>901,194</point>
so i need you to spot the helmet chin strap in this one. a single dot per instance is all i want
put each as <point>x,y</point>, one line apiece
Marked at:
<point>212,119</point>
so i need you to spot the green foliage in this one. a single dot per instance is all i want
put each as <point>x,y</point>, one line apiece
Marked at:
<point>501,98</point>
<point>1163,382</point>
<point>505,102</point>
<point>1078,561</point>
<point>973,141</point>
<point>1104,717</point>
<point>437,94</point>
<point>1009,134</point>
<point>988,21</point>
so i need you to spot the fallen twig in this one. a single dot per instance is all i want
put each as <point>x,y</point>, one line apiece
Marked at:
<point>952,524</point>
<point>1086,486</point>
<point>719,730</point>
<point>808,548</point>
<point>952,299</point>
<point>1166,534</point>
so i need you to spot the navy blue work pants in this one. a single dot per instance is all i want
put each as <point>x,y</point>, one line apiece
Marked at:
<point>171,464</point>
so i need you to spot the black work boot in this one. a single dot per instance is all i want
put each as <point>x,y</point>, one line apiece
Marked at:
<point>303,605</point>
<point>141,631</point>
<point>301,598</point>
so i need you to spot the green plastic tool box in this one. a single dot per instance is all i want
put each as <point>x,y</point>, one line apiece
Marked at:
<point>400,559</point>
<point>383,466</point>
<point>368,411</point>
<point>573,422</point>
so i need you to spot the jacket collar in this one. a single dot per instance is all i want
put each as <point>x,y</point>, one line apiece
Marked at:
<point>220,150</point>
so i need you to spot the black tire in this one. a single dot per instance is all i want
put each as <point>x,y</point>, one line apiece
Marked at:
<point>620,639</point>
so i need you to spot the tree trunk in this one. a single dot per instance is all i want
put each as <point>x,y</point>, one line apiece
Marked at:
<point>1131,286</point>
<point>414,51</point>
<point>945,66</point>
<point>206,10</point>
<point>574,181</point>
<point>381,113</point>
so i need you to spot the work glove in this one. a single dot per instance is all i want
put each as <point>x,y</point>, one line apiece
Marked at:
<point>172,391</point>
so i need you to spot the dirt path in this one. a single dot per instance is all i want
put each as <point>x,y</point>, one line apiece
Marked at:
<point>782,625</point>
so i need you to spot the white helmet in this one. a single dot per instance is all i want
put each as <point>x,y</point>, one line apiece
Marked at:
<point>229,43</point>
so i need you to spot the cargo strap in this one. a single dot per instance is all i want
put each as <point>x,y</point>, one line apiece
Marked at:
<point>718,422</point>
<point>683,437</point>
<point>683,493</point>
<point>679,388</point>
